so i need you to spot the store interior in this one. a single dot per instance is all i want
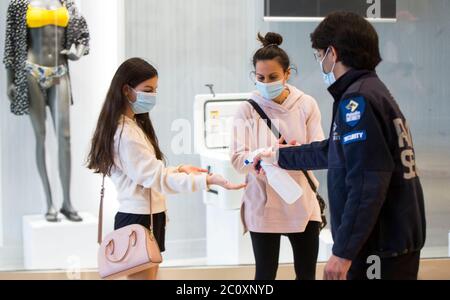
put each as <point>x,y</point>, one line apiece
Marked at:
<point>199,47</point>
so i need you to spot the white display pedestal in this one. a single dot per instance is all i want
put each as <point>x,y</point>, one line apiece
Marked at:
<point>225,242</point>
<point>325,245</point>
<point>227,245</point>
<point>59,246</point>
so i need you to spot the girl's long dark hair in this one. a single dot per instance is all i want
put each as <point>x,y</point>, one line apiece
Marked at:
<point>132,72</point>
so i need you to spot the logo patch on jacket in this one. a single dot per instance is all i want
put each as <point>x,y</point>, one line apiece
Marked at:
<point>352,110</point>
<point>355,136</point>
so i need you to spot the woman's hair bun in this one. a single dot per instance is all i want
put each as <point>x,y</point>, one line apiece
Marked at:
<point>271,38</point>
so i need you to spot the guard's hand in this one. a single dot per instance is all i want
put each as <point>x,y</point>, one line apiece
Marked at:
<point>216,179</point>
<point>266,156</point>
<point>270,156</point>
<point>336,268</point>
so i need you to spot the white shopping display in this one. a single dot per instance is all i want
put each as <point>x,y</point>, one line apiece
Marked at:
<point>280,180</point>
<point>65,245</point>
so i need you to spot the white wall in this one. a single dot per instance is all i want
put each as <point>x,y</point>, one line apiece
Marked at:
<point>91,78</point>
<point>21,192</point>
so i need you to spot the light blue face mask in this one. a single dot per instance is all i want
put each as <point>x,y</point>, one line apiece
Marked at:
<point>328,78</point>
<point>270,90</point>
<point>144,103</point>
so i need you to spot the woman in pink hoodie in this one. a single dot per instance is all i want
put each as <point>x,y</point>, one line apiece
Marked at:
<point>264,213</point>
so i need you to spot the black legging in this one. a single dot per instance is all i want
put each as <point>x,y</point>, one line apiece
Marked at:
<point>305,246</point>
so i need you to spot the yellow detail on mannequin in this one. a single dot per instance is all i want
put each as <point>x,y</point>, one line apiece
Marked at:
<point>40,17</point>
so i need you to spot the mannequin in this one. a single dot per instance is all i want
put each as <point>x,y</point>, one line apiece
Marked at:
<point>42,36</point>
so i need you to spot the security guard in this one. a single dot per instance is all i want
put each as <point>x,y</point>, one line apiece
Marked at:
<point>375,196</point>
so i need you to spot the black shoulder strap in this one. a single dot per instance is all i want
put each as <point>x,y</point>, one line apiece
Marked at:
<point>277,133</point>
<point>266,119</point>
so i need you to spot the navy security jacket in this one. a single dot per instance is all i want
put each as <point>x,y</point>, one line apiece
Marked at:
<point>375,196</point>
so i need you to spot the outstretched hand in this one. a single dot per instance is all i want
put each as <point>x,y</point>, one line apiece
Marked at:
<point>216,179</point>
<point>188,169</point>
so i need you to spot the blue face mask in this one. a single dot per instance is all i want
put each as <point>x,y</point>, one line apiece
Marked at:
<point>328,78</point>
<point>271,90</point>
<point>144,103</point>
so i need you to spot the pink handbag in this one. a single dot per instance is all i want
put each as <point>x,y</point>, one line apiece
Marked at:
<point>128,250</point>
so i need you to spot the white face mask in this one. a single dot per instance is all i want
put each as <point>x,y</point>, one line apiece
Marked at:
<point>271,90</point>
<point>328,78</point>
<point>144,103</point>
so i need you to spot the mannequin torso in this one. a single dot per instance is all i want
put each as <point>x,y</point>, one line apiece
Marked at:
<point>46,43</point>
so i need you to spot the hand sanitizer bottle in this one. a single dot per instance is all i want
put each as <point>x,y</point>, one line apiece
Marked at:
<point>282,183</point>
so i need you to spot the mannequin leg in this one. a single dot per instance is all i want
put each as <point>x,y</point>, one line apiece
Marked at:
<point>38,116</point>
<point>59,102</point>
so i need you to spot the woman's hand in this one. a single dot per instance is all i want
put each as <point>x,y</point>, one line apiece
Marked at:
<point>282,144</point>
<point>188,169</point>
<point>216,179</point>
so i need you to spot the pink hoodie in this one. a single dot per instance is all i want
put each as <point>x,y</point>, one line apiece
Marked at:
<point>298,118</point>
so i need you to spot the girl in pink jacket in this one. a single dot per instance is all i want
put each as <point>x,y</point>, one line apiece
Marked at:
<point>264,213</point>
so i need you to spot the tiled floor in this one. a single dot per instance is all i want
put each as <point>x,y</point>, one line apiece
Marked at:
<point>434,269</point>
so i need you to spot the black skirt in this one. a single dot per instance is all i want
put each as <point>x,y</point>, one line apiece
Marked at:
<point>159,225</point>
